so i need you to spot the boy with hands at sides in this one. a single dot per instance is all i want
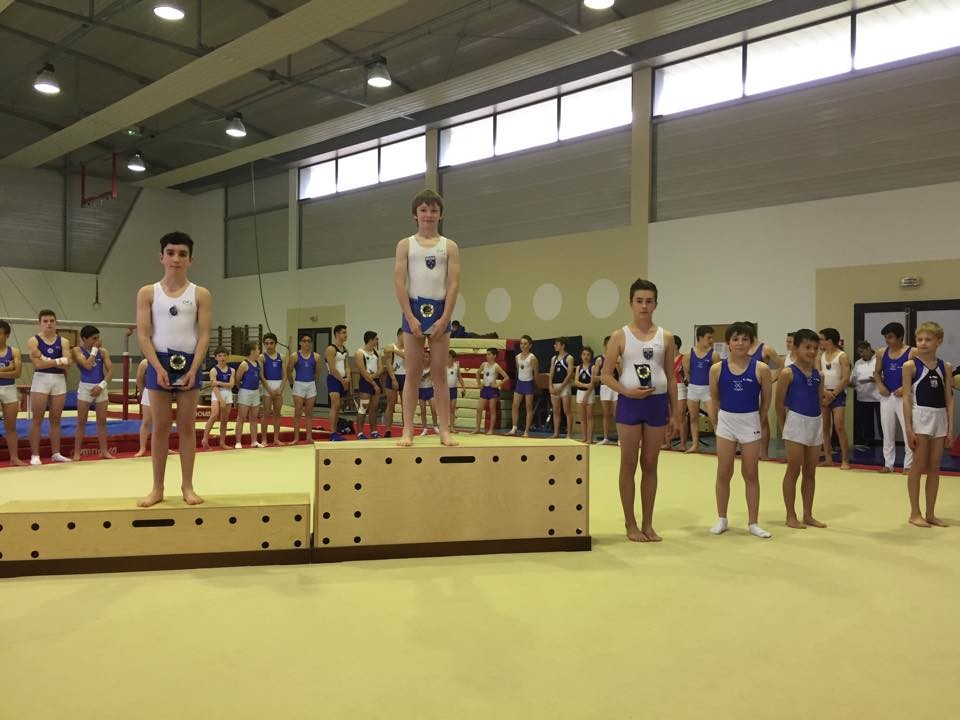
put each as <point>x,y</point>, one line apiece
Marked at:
<point>426,278</point>
<point>740,398</point>
<point>799,404</point>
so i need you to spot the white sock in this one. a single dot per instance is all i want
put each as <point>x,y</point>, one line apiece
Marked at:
<point>57,457</point>
<point>755,529</point>
<point>238,446</point>
<point>720,527</point>
<point>35,460</point>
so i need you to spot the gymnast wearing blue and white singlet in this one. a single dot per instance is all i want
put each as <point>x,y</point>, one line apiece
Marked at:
<point>249,393</point>
<point>340,363</point>
<point>91,378</point>
<point>699,386</point>
<point>223,394</point>
<point>427,285</point>
<point>642,363</point>
<point>930,386</point>
<point>525,384</point>
<point>804,422</point>
<point>272,371</point>
<point>304,375</point>
<point>174,336</point>
<point>738,419</point>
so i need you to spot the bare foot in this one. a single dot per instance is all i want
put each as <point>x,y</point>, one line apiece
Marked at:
<point>490,431</point>
<point>406,440</point>
<point>526,434</point>
<point>140,453</point>
<point>475,432</point>
<point>108,455</point>
<point>919,522</point>
<point>445,439</point>
<point>511,431</point>
<point>691,449</point>
<point>795,524</point>
<point>885,469</point>
<point>75,456</point>
<point>17,461</point>
<point>152,499</point>
<point>934,520</point>
<point>205,444</point>
<point>555,436</point>
<point>651,535</point>
<point>845,466</point>
<point>191,498</point>
<point>634,534</point>
<point>826,463</point>
<point>813,522</point>
<point>277,443</point>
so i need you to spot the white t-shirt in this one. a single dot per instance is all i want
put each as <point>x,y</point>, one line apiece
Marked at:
<point>863,380</point>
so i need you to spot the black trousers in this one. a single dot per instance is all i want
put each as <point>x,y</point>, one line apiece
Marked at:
<point>866,422</point>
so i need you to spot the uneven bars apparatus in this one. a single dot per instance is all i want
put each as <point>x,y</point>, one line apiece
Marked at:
<point>129,327</point>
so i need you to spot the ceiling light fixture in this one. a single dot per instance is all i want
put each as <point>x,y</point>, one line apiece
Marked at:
<point>168,11</point>
<point>46,81</point>
<point>136,163</point>
<point>235,127</point>
<point>598,4</point>
<point>377,74</point>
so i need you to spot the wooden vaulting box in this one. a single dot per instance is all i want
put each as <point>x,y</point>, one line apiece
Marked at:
<point>84,535</point>
<point>386,501</point>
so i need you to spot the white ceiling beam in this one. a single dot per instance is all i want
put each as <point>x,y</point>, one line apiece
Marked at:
<point>294,31</point>
<point>593,43</point>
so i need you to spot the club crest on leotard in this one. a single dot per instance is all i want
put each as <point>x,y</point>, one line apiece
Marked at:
<point>431,261</point>
<point>738,385</point>
<point>648,353</point>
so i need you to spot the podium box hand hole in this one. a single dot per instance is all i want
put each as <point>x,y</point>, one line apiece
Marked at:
<point>579,457</point>
<point>35,527</point>
<point>199,521</point>
<point>579,531</point>
<point>358,461</point>
<point>106,524</point>
<point>496,458</point>
<point>552,481</point>
<point>552,458</point>
<point>357,540</point>
<point>34,554</point>
<point>297,518</point>
<point>523,458</point>
<point>389,461</point>
<point>71,526</point>
<point>264,544</point>
<point>326,541</point>
<point>326,488</point>
<point>551,508</point>
<point>297,543</point>
<point>233,520</point>
<point>265,519</point>
<point>579,481</point>
<point>448,459</point>
<point>326,516</point>
<point>357,514</point>
<point>151,522</point>
<point>418,460</point>
<point>579,506</point>
<point>326,461</point>
<point>358,486</point>
<point>551,531</point>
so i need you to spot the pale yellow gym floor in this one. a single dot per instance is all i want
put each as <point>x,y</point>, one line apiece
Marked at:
<point>861,620</point>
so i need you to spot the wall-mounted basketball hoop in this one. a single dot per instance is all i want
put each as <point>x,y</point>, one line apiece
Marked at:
<point>96,200</point>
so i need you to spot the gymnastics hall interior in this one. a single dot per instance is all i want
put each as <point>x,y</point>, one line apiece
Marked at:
<point>796,164</point>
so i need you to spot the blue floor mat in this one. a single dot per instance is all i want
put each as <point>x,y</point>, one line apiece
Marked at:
<point>68,427</point>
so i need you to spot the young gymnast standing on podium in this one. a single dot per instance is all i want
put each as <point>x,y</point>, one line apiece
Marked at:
<point>173,328</point>
<point>426,278</point>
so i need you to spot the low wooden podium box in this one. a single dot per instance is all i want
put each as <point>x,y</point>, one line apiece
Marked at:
<point>41,537</point>
<point>375,500</point>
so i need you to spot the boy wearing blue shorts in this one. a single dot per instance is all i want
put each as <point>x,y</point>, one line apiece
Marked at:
<point>647,405</point>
